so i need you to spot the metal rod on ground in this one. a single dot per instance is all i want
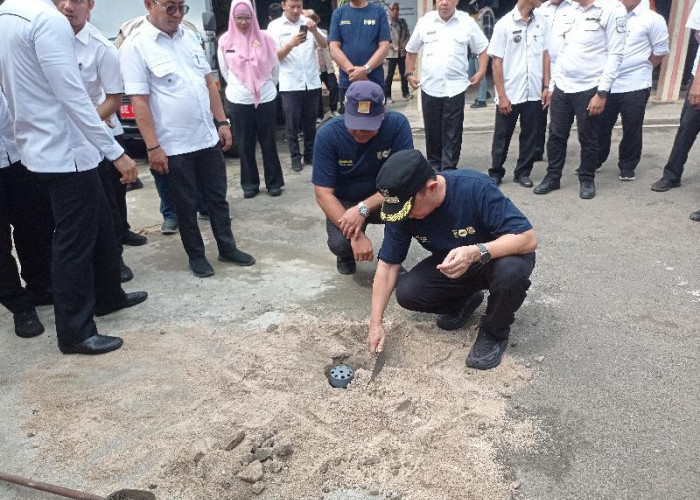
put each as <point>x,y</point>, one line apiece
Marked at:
<point>49,488</point>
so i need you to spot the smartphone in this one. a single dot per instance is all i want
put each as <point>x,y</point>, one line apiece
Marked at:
<point>303,29</point>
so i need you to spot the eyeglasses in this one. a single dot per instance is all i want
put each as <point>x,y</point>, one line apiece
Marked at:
<point>172,9</point>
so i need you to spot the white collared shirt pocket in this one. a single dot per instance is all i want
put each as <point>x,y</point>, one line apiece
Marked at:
<point>164,74</point>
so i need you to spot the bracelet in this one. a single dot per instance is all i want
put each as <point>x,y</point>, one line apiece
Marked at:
<point>406,75</point>
<point>148,150</point>
<point>545,87</point>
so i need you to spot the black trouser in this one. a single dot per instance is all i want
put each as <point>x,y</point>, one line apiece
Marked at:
<point>27,208</point>
<point>443,120</point>
<point>563,108</point>
<point>204,169</point>
<point>251,124</point>
<point>631,106</point>
<point>85,265</point>
<point>109,176</point>
<point>341,100</point>
<point>507,279</point>
<point>338,244</point>
<point>120,192</point>
<point>300,112</point>
<point>331,83</point>
<point>529,115</point>
<point>541,132</point>
<point>393,62</point>
<point>685,137</point>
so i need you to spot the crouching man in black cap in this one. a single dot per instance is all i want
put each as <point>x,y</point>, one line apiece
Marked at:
<point>478,239</point>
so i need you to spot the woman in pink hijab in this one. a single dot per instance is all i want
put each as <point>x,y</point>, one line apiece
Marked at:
<point>249,64</point>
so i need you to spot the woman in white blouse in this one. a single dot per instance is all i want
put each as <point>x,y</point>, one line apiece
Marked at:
<point>249,64</point>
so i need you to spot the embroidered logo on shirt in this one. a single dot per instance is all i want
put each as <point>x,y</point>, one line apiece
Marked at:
<point>422,239</point>
<point>463,233</point>
<point>346,163</point>
<point>383,154</point>
<point>370,22</point>
<point>345,22</point>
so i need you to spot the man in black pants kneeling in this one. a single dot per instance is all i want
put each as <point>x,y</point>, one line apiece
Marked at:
<point>478,239</point>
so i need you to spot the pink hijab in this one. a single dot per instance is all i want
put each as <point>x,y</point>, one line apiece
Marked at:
<point>250,56</point>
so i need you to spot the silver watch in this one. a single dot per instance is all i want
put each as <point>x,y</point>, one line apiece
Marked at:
<point>364,209</point>
<point>485,254</point>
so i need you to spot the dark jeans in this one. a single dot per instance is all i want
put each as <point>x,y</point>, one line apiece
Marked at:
<point>564,107</point>
<point>85,266</point>
<point>167,205</point>
<point>300,112</point>
<point>443,119</point>
<point>338,244</point>
<point>685,137</point>
<point>631,106</point>
<point>204,170</point>
<point>331,83</point>
<point>507,279</point>
<point>393,62</point>
<point>251,124</point>
<point>25,215</point>
<point>528,112</point>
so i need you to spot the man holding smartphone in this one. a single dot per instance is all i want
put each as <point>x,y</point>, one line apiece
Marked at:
<point>300,83</point>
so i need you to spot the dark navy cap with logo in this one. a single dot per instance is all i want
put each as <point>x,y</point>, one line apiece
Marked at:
<point>400,178</point>
<point>364,106</point>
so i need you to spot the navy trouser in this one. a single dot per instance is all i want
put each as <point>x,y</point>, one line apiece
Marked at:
<point>564,108</point>
<point>393,62</point>
<point>338,244</point>
<point>331,83</point>
<point>251,125</point>
<point>85,265</point>
<point>507,279</point>
<point>204,169</point>
<point>529,114</point>
<point>631,106</point>
<point>443,119</point>
<point>300,113</point>
<point>685,137</point>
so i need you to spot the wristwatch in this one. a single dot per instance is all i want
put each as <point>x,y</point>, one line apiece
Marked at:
<point>364,209</point>
<point>485,254</point>
<point>602,93</point>
<point>226,122</point>
<point>368,68</point>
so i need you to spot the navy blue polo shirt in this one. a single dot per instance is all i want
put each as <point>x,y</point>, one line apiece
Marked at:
<point>359,32</point>
<point>474,211</point>
<point>350,168</point>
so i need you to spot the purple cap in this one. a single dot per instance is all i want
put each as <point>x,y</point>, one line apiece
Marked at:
<point>364,106</point>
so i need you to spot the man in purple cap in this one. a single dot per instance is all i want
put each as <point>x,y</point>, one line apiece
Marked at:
<point>348,153</point>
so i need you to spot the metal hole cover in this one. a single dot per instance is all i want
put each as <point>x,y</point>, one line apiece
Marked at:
<point>340,376</point>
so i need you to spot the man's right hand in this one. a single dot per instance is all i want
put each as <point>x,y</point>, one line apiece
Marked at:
<point>126,167</point>
<point>362,247</point>
<point>357,73</point>
<point>351,222</point>
<point>413,82</point>
<point>375,338</point>
<point>504,106</point>
<point>694,93</point>
<point>158,161</point>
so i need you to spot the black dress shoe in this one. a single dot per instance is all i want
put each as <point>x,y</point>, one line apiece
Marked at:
<point>296,164</point>
<point>132,239</point>
<point>250,194</point>
<point>524,181</point>
<point>125,273</point>
<point>495,179</point>
<point>237,257</point>
<point>587,190</point>
<point>663,185</point>
<point>201,268</point>
<point>346,266</point>
<point>97,344</point>
<point>546,186</point>
<point>27,324</point>
<point>695,216</point>
<point>459,319</point>
<point>274,191</point>
<point>130,300</point>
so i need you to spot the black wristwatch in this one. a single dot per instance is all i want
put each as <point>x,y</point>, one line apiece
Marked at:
<point>226,122</point>
<point>485,254</point>
<point>603,94</point>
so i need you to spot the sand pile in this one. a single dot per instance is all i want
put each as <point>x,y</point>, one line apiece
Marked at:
<point>237,412</point>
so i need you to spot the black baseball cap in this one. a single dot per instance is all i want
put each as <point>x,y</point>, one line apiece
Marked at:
<point>364,106</point>
<point>403,174</point>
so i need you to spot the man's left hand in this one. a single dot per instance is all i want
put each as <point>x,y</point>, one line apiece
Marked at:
<point>311,25</point>
<point>225,137</point>
<point>458,261</point>
<point>596,106</point>
<point>351,222</point>
<point>357,73</point>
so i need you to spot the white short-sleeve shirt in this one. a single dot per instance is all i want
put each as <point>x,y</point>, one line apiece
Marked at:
<point>171,71</point>
<point>446,46</point>
<point>238,93</point>
<point>98,62</point>
<point>593,48</point>
<point>559,18</point>
<point>53,115</point>
<point>693,23</point>
<point>8,150</point>
<point>521,46</point>
<point>299,70</point>
<point>647,34</point>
